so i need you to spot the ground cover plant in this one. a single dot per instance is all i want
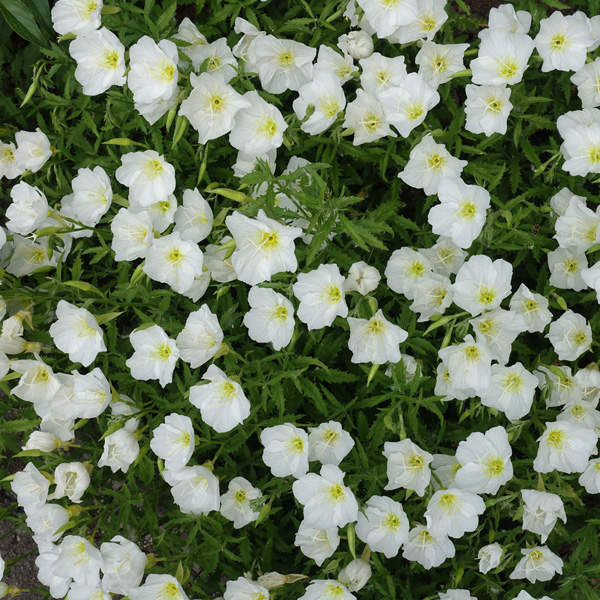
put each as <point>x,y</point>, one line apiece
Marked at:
<point>299,299</point>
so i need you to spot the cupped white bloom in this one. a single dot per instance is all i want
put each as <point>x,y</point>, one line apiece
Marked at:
<point>481,284</point>
<point>91,395</point>
<point>45,521</point>
<point>485,461</point>
<point>407,466</point>
<point>174,261</point>
<point>386,16</point>
<point>581,149</point>
<point>355,574</point>
<point>263,247</point>
<point>218,56</point>
<point>92,195</point>
<point>123,565</point>
<point>158,587</point>
<point>28,210</point>
<point>211,106</point>
<point>581,413</point>
<point>469,364</point>
<point>31,488</point>
<point>489,557</point>
<point>438,62</point>
<point>366,117</point>
<point>286,450</point>
<point>563,42</point>
<point>270,318</point>
<point>406,105</point>
<point>153,70</point>
<point>358,44</point>
<point>154,357</point>
<point>80,560</point>
<point>445,388</point>
<point>100,60</point>
<point>566,447</point>
<point>188,32</point>
<point>541,510</point>
<point>453,512</point>
<point>174,441</point>
<point>431,15</point>
<point>445,256</point>
<point>383,525</point>
<point>505,18</point>
<point>537,564</point>
<point>219,267</point>
<point>502,58</point>
<point>281,64</point>
<point>33,149</point>
<point>428,164</point>
<point>587,80</point>
<point>40,440</point>
<point>591,277</point>
<point>72,480</point>
<point>511,391</point>
<point>77,333</point>
<point>561,387</point>
<point>330,61</point>
<point>38,383</point>
<point>380,73</point>
<point>532,308</point>
<point>132,234</point>
<point>566,265</point>
<point>242,48</point>
<point>259,128</point>
<point>404,268</point>
<point>154,110</point>
<point>487,108</point>
<point>76,16</point>
<point>375,340</point>
<point>589,380</point>
<point>222,402</point>
<point>457,594</point>
<point>560,201</point>
<point>326,95</point>
<point>445,468</point>
<point>9,167</point>
<point>194,489</point>
<point>362,278</point>
<point>28,256</point>
<point>58,586</point>
<point>244,589</point>
<point>426,549</point>
<point>329,443</point>
<point>317,544</point>
<point>148,176</point>
<point>161,213</point>
<point>498,329</point>
<point>200,338</point>
<point>121,449</point>
<point>570,335</point>
<point>590,478</point>
<point>235,502</point>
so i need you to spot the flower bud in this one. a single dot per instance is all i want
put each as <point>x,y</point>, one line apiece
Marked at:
<point>39,440</point>
<point>355,575</point>
<point>358,44</point>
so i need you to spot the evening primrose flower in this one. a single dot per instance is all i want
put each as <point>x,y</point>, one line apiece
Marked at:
<point>578,226</point>
<point>587,80</point>
<point>498,329</point>
<point>45,521</point>
<point>222,402</point>
<point>438,62</point>
<point>383,525</point>
<point>244,589</point>
<point>92,195</point>
<point>194,489</point>
<point>38,383</point>
<point>121,449</point>
<point>173,441</point>
<point>154,357</point>
<point>91,395</point>
<point>570,335</point>
<point>242,48</point>
<point>317,544</point>
<point>427,549</point>
<point>431,15</point>
<point>31,488</point>
<point>78,559</point>
<point>286,450</point>
<point>235,503</point>
<point>453,512</point>
<point>132,234</point>
<point>489,557</point>
<point>380,73</point>
<point>331,61</point>
<point>123,565</point>
<point>200,338</point>
<point>487,108</point>
<point>100,60</point>
<point>329,443</point>
<point>218,56</point>
<point>581,149</point>
<point>532,308</point>
<point>358,44</point>
<point>432,296</point>
<point>362,278</point>
<point>504,17</point>
<point>375,340</point>
<point>189,33</point>
<point>566,265</point>
<point>541,510</point>
<point>407,466</point>
<point>72,480</point>
<point>590,478</point>
<point>537,564</point>
<point>386,16</point>
<point>33,149</point>
<point>445,256</point>
<point>355,575</point>
<point>468,363</point>
<point>9,167</point>
<point>28,209</point>
<point>404,268</point>
<point>158,587</point>
<point>366,116</point>
<point>76,16</point>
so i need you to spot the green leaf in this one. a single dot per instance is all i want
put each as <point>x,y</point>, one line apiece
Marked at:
<point>21,20</point>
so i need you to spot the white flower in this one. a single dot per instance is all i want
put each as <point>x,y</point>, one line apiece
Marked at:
<point>100,60</point>
<point>358,44</point>
<point>194,489</point>
<point>355,575</point>
<point>385,17</point>
<point>244,589</point>
<point>406,105</point>
<point>121,449</point>
<point>485,461</point>
<point>148,176</point>
<point>332,62</point>
<point>489,557</point>
<point>329,443</point>
<point>270,318</point>
<point>38,383</point>
<point>570,335</point>
<point>174,261</point>
<point>487,108</point>
<point>31,488</point>
<point>317,544</point>
<point>286,450</point>
<point>29,256</point>
<point>154,357</point>
<point>212,106</point>
<point>132,234</point>
<point>259,128</point>
<point>162,213</point>
<point>481,284</point>
<point>263,247</point>
<point>123,565</point>
<point>581,149</point>
<point>590,478</point>
<point>453,512</point>
<point>469,365</point>
<point>362,278</point>
<point>174,441</point>
<point>219,267</point>
<point>235,503</point>
<point>407,466</point>
<point>281,64</point>
<point>200,338</point>
<point>498,329</point>
<point>40,440</point>
<point>153,71</point>
<point>383,525</point>
<point>189,33</point>
<point>430,17</point>
<point>58,586</point>
<point>404,268</point>
<point>78,559</point>
<point>72,480</point>
<point>541,511</point>
<point>532,308</point>
<point>222,402</point>
<point>28,209</point>
<point>587,80</point>
<point>9,167</point>
<point>511,391</point>
<point>438,62</point>
<point>505,18</point>
<point>577,226</point>
<point>375,340</point>
<point>563,42</point>
<point>76,16</point>
<point>456,595</point>
<point>445,467</point>
<point>242,48</point>
<point>33,149</point>
<point>154,110</point>
<point>218,56</point>
<point>566,447</point>
<point>566,265</point>
<point>537,564</point>
<point>581,413</point>
<point>428,164</point>
<point>426,549</point>
<point>77,334</point>
<point>502,58</point>
<point>561,388</point>
<point>158,587</point>
<point>445,256</point>
<point>92,195</point>
<point>366,116</point>
<point>380,73</point>
<point>321,295</point>
<point>45,521</point>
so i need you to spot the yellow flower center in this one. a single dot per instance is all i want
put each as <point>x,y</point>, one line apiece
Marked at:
<point>439,64</point>
<point>415,269</point>
<point>493,466</point>
<point>593,154</point>
<point>467,210</point>
<point>169,591</point>
<point>84,9</point>
<point>530,306</point>
<point>428,23</point>
<point>41,376</point>
<point>425,538</point>
<point>163,352</point>
<point>240,496</point>
<point>330,436</point>
<point>560,42</point>
<point>214,63</point>
<point>285,59</point>
<point>80,554</point>
<point>163,71</point>
<point>332,294</point>
<point>472,353</point>
<point>435,161</point>
<point>415,111</point>
<point>415,461</point>
<point>508,67</point>
<point>280,313</point>
<point>36,255</point>
<point>536,556</point>
<point>486,295</point>
<point>216,103</point>
<point>329,106</point>
<point>383,78</point>
<point>333,592</point>
<point>370,122</point>
<point>391,522</point>
<point>579,337</point>
<point>268,240</point>
<point>84,329</point>
<point>227,390</point>
<point>153,168</point>
<point>296,444</point>
<point>375,327</point>
<point>336,493</point>
<point>175,256</point>
<point>449,503</point>
<point>493,104</point>
<point>110,59</point>
<point>267,127</point>
<point>512,384</point>
<point>556,439</point>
